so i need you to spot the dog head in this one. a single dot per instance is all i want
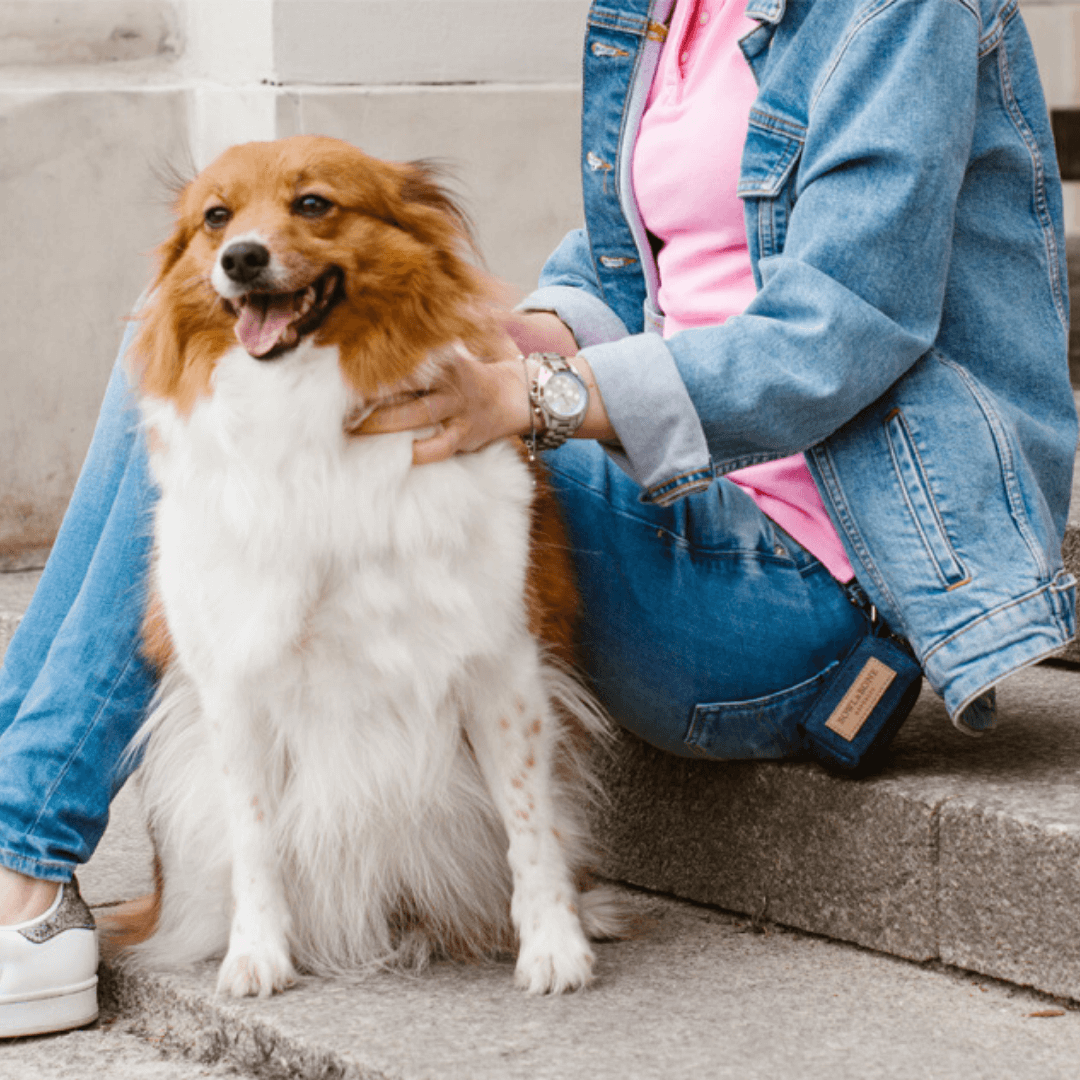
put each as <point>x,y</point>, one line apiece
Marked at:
<point>309,240</point>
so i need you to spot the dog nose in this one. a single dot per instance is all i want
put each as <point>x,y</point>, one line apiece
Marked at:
<point>244,261</point>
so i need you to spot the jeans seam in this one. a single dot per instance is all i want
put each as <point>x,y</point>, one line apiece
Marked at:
<point>10,859</point>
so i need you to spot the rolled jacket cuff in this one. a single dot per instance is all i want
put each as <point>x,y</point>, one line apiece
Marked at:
<point>590,320</point>
<point>663,446</point>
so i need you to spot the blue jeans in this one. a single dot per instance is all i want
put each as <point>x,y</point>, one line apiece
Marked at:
<point>73,687</point>
<point>706,631</point>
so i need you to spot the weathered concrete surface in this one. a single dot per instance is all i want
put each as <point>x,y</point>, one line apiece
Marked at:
<point>80,206</point>
<point>962,849</point>
<point>64,33</point>
<point>1009,842</point>
<point>697,995</point>
<point>429,41</point>
<point>857,861</point>
<point>106,1051</point>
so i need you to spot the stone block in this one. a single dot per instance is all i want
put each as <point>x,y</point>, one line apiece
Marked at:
<point>429,41</point>
<point>1054,29</point>
<point>66,33</point>
<point>80,205</point>
<point>787,842</point>
<point>1009,891</point>
<point>966,849</point>
<point>1010,841</point>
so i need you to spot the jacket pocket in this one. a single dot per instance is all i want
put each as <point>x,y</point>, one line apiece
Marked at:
<point>764,727</point>
<point>915,486</point>
<point>772,151</point>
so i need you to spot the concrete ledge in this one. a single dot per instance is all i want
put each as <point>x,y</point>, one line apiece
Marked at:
<point>964,850</point>
<point>788,843</point>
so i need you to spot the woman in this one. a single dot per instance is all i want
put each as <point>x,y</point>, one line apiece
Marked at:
<point>820,311</point>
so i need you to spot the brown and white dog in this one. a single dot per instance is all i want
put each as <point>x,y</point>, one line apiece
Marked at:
<point>366,749</point>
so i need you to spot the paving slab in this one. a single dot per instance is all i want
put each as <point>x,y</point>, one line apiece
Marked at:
<point>107,1051</point>
<point>699,994</point>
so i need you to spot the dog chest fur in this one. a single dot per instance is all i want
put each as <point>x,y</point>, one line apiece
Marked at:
<point>352,596</point>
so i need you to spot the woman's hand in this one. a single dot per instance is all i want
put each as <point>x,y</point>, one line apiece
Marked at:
<point>473,403</point>
<point>476,401</point>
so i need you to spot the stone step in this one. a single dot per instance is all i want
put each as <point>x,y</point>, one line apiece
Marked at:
<point>963,850</point>
<point>699,994</point>
<point>963,854</point>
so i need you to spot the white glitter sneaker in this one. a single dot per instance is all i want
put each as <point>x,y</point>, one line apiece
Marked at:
<point>48,969</point>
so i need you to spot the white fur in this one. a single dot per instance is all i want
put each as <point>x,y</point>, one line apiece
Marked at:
<point>358,715</point>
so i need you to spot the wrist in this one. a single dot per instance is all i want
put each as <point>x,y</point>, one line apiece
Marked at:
<point>558,400</point>
<point>539,332</point>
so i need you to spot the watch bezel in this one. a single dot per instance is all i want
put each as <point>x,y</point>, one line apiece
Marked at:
<point>549,385</point>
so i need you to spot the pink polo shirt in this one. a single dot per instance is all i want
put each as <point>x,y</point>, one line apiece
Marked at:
<point>685,172</point>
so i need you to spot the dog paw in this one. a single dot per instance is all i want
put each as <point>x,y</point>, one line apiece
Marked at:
<point>255,972</point>
<point>554,959</point>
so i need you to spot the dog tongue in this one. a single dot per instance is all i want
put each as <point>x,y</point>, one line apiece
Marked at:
<point>263,320</point>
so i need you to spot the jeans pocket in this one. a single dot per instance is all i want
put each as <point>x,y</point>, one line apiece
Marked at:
<point>764,727</point>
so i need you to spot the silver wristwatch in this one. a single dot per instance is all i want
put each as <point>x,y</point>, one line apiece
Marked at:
<point>559,398</point>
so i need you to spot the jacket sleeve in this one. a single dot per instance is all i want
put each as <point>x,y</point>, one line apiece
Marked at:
<point>569,288</point>
<point>856,296</point>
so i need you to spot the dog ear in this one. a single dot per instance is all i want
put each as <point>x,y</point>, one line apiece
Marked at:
<point>424,183</point>
<point>184,327</point>
<point>171,252</point>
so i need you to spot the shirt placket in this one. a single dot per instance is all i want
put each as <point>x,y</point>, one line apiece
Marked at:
<point>699,18</point>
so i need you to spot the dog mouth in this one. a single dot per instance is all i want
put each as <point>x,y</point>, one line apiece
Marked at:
<point>270,323</point>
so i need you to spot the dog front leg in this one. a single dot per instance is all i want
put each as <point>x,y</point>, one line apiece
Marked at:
<point>257,961</point>
<point>514,736</point>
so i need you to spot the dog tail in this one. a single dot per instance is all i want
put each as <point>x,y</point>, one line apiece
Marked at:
<point>130,923</point>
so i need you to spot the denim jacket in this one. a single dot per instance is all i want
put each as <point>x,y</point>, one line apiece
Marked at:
<point>909,333</point>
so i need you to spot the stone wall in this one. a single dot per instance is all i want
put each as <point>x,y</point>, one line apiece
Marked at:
<point>99,99</point>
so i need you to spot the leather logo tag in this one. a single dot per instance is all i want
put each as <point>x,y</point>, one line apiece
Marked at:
<point>858,703</point>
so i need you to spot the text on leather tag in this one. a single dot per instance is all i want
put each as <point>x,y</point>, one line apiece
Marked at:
<point>858,703</point>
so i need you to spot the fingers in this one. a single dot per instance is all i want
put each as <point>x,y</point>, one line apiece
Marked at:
<point>425,411</point>
<point>446,442</point>
<point>476,403</point>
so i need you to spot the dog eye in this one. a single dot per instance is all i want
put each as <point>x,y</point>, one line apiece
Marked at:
<point>217,217</point>
<point>311,206</point>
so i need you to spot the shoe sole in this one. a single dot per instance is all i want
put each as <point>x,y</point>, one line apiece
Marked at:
<point>58,1010</point>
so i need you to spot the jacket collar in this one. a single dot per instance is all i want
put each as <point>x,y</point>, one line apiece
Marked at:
<point>771,11</point>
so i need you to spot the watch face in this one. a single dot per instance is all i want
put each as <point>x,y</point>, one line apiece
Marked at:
<point>565,395</point>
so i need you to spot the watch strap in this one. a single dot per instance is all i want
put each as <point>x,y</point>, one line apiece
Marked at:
<point>556,429</point>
